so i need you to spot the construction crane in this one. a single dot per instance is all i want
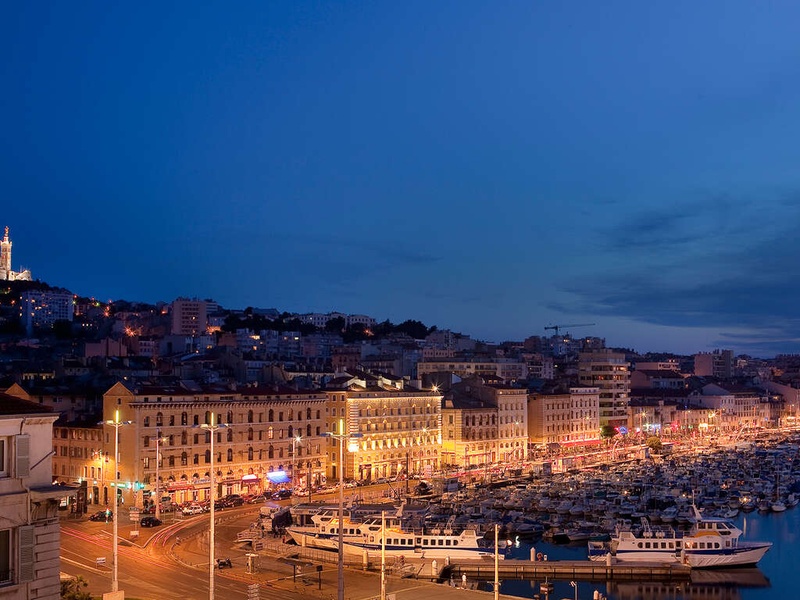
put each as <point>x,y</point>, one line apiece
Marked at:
<point>557,327</point>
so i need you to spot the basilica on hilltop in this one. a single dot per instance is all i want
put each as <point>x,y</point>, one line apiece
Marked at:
<point>6,274</point>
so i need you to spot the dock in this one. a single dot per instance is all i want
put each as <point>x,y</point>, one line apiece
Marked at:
<point>581,570</point>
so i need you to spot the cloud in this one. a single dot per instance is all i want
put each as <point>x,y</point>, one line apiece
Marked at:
<point>724,262</point>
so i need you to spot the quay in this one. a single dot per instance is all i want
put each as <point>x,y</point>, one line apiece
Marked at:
<point>582,570</point>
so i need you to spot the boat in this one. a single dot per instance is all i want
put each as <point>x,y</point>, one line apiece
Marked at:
<point>444,543</point>
<point>711,542</point>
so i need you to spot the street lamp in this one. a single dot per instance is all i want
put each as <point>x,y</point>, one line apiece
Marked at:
<point>342,436</point>
<point>116,424</point>
<point>159,439</point>
<point>295,440</point>
<point>575,585</point>
<point>212,428</point>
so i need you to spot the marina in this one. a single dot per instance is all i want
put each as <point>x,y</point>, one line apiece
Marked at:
<point>695,493</point>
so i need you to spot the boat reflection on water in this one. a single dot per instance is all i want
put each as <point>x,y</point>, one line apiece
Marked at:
<point>705,584</point>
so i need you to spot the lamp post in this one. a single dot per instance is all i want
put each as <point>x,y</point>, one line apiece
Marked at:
<point>116,424</point>
<point>295,441</point>
<point>159,439</point>
<point>341,436</point>
<point>212,428</point>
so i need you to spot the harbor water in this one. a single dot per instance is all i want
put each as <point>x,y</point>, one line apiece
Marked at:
<point>775,577</point>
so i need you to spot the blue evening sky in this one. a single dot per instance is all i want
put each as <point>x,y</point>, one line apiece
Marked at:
<point>487,167</point>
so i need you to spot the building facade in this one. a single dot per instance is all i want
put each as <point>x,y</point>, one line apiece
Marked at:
<point>268,435</point>
<point>30,530</point>
<point>608,371</point>
<point>399,427</point>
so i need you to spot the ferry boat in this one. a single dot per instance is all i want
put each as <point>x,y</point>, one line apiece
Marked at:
<point>315,526</point>
<point>711,542</point>
<point>444,543</point>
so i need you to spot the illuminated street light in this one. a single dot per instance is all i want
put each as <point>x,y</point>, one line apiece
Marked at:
<point>295,441</point>
<point>342,436</point>
<point>212,428</point>
<point>159,439</point>
<point>116,424</point>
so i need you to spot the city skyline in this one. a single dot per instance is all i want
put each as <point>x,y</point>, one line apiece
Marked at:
<point>488,169</point>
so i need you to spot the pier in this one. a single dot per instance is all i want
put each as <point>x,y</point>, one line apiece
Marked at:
<point>581,570</point>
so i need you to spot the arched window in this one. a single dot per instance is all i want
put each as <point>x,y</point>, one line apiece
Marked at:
<point>171,461</point>
<point>184,459</point>
<point>249,453</point>
<point>291,431</point>
<point>146,422</point>
<point>208,437</point>
<point>197,459</point>
<point>184,438</point>
<point>308,430</point>
<point>230,435</point>
<point>230,417</point>
<point>172,420</point>
<point>230,454</point>
<point>159,419</point>
<point>270,452</point>
<point>208,456</point>
<point>196,420</point>
<point>308,414</point>
<point>271,415</point>
<point>249,416</point>
<point>291,415</point>
<point>184,418</point>
<point>270,433</point>
<point>249,434</point>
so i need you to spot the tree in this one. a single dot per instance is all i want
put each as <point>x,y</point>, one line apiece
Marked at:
<point>607,432</point>
<point>75,589</point>
<point>654,443</point>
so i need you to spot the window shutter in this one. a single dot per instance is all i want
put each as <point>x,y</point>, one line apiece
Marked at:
<point>27,560</point>
<point>22,456</point>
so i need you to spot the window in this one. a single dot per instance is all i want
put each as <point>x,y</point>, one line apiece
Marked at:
<point>146,422</point>
<point>5,555</point>
<point>159,419</point>
<point>184,459</point>
<point>249,416</point>
<point>184,418</point>
<point>230,454</point>
<point>172,419</point>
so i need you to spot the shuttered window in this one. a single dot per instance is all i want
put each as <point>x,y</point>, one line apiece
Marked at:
<point>22,456</point>
<point>27,543</point>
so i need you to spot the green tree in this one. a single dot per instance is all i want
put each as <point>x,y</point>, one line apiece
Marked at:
<point>75,589</point>
<point>607,432</point>
<point>654,443</point>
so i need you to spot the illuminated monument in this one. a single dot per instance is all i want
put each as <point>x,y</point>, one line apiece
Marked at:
<point>6,274</point>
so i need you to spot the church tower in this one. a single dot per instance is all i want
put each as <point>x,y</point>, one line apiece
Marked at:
<point>5,257</point>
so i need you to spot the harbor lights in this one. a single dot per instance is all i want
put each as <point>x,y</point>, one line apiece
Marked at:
<point>352,446</point>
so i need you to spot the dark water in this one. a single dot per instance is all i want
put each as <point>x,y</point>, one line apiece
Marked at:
<point>777,575</point>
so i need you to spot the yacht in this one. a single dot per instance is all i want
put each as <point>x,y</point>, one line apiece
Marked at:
<point>712,542</point>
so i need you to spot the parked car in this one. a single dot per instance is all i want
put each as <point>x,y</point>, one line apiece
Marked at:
<point>282,495</point>
<point>150,522</point>
<point>102,515</point>
<point>192,509</point>
<point>234,500</point>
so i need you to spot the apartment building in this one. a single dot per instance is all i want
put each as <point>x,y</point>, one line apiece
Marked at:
<point>260,427</point>
<point>30,530</point>
<point>399,425</point>
<point>609,372</point>
<point>564,419</point>
<point>189,317</point>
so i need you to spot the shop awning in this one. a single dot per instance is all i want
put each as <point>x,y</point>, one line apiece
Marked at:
<point>278,477</point>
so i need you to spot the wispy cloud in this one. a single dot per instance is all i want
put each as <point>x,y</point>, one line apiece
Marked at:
<point>724,262</point>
